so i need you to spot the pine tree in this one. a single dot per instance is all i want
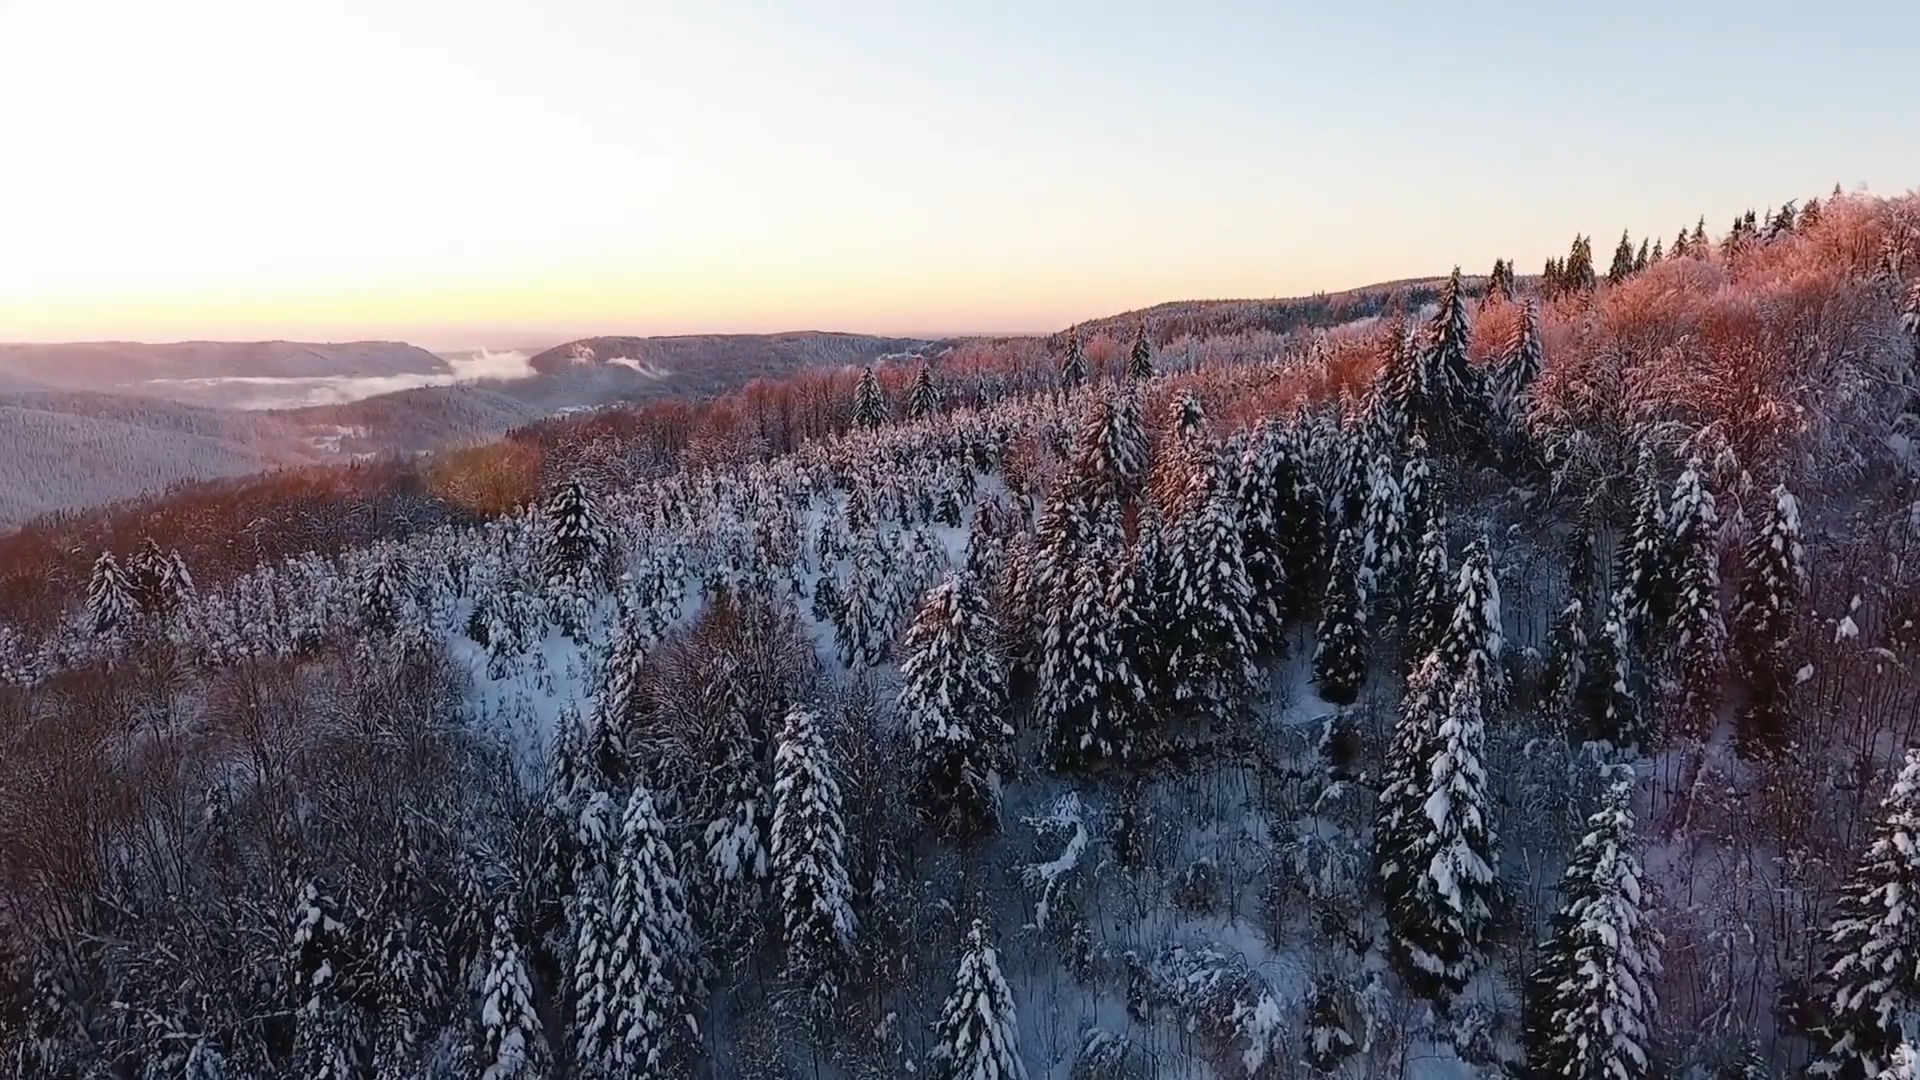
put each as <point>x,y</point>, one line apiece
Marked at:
<point>1340,651</point>
<point>1327,1040</point>
<point>1094,696</point>
<point>1622,267</point>
<point>1400,815</point>
<point>515,1044</point>
<point>652,953</point>
<point>1073,366</point>
<point>1810,215</point>
<point>383,590</point>
<point>1431,598</point>
<point>869,404</point>
<point>868,608</point>
<point>574,560</point>
<point>1608,702</point>
<point>596,1009</point>
<point>1782,224</point>
<point>1773,579</point>
<point>1140,357</point>
<point>1578,272</point>
<point>1110,455</point>
<point>1872,980</point>
<point>1440,920</point>
<point>1282,531</point>
<point>1591,999</point>
<point>110,606</point>
<point>1387,545</point>
<point>1453,416</point>
<point>1659,252</point>
<point>1208,630</point>
<point>924,399</point>
<point>1696,637</point>
<point>328,1040</point>
<point>1640,257</point>
<point>953,705</point>
<point>1470,646</point>
<point>1500,281</point>
<point>1567,658</point>
<point>1646,581</point>
<point>1681,248</point>
<point>1520,365</point>
<point>978,1035</point>
<point>1400,391</point>
<point>407,981</point>
<point>809,858</point>
<point>145,573</point>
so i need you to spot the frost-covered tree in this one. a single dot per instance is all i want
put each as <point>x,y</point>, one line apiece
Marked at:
<point>1471,643</point>
<point>978,1034</point>
<point>596,1010</point>
<point>1400,812</point>
<point>1521,360</point>
<point>1340,646</point>
<point>329,1042</point>
<point>574,555</point>
<point>1645,579</point>
<point>1696,635</point>
<point>1500,281</point>
<point>1326,1038</point>
<point>1207,629</point>
<point>869,608</point>
<point>953,705</point>
<point>652,953</point>
<point>515,1045</point>
<point>1608,701</point>
<point>869,404</point>
<point>1623,261</point>
<point>924,399</point>
<point>1140,357</point>
<point>1591,1001</point>
<point>1073,365</point>
<point>1430,597</point>
<point>1384,532</point>
<point>383,594</point>
<point>1110,455</point>
<point>1440,923</point>
<point>110,606</point>
<point>1773,578</point>
<point>1567,648</point>
<point>810,858</point>
<point>1453,415</point>
<point>1400,389</point>
<point>1094,692</point>
<point>1872,981</point>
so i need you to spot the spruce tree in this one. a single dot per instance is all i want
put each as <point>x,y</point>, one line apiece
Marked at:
<point>1809,215</point>
<point>110,606</point>
<point>1608,703</point>
<point>810,858</point>
<point>515,1045</point>
<point>1094,696</point>
<point>868,611</point>
<point>1591,996</point>
<point>924,399</point>
<point>1430,599</point>
<point>1340,648</point>
<point>1646,580</point>
<point>978,1034</point>
<point>1453,414</point>
<point>1400,815</point>
<point>869,404</point>
<point>1400,390</point>
<point>1567,649</point>
<point>1471,643</point>
<point>596,1018</point>
<point>1073,365</point>
<point>953,705</point>
<point>1640,257</point>
<point>652,953</point>
<point>1659,251</point>
<point>1328,1043</point>
<point>1208,631</point>
<point>1500,281</point>
<point>1872,979</point>
<point>1140,357</point>
<point>1385,536</point>
<point>1578,272</point>
<point>1774,575</point>
<point>328,1038</point>
<point>1109,458</point>
<point>1696,636</point>
<point>1520,365</point>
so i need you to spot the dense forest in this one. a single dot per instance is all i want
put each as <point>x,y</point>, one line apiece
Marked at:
<point>1504,675</point>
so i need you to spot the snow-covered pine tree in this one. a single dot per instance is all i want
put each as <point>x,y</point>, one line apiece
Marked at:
<point>574,555</point>
<point>144,572</point>
<point>869,404</point>
<point>810,858</point>
<point>515,1045</point>
<point>1400,818</point>
<point>868,608</point>
<point>596,1010</point>
<point>329,1040</point>
<point>1386,545</point>
<point>1591,998</point>
<point>1520,363</point>
<point>953,705</point>
<point>1207,631</point>
<point>1453,416</point>
<point>1140,357</point>
<point>1418,501</point>
<point>1431,597</point>
<point>1644,593</point>
<point>1566,659</point>
<point>1328,1043</point>
<point>383,592</point>
<point>1872,980</point>
<point>1470,646</point>
<point>978,1034</point>
<point>1110,455</point>
<point>1340,647</point>
<point>1696,638</point>
<point>1399,395</point>
<point>1499,283</point>
<point>110,606</point>
<point>1608,704</point>
<point>1622,267</point>
<point>1266,552</point>
<point>408,978</point>
<point>1189,417</point>
<point>1073,365</point>
<point>1440,923</point>
<point>1094,697</point>
<point>924,399</point>
<point>652,954</point>
<point>1774,575</point>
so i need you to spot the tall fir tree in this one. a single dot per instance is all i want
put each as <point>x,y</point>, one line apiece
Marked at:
<point>1340,648</point>
<point>1696,636</point>
<point>1773,578</point>
<point>1430,599</point>
<point>110,606</point>
<point>515,1044</point>
<point>596,1010</point>
<point>1608,701</point>
<point>1094,694</point>
<point>978,1034</point>
<point>810,858</point>
<point>1208,630</point>
<point>1591,1000</point>
<point>1471,643</point>
<point>1645,579</point>
<point>1109,460</point>
<point>1140,356</point>
<point>953,704</point>
<point>1872,979</point>
<point>652,954</point>
<point>1520,364</point>
<point>1386,543</point>
<point>1073,365</point>
<point>869,403</point>
<point>1578,272</point>
<point>1453,417</point>
<point>924,399</point>
<point>329,1039</point>
<point>1400,815</point>
<point>1500,281</point>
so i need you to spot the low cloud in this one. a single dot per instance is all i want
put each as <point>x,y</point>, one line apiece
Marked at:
<point>270,392</point>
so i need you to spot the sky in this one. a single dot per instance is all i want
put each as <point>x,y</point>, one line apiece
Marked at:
<point>460,173</point>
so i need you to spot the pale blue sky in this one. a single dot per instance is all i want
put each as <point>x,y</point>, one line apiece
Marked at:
<point>467,171</point>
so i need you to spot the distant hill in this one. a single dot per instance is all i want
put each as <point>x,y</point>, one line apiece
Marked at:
<point>94,365</point>
<point>64,450</point>
<point>696,361</point>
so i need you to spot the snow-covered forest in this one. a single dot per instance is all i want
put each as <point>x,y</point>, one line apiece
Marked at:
<point>1517,682</point>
